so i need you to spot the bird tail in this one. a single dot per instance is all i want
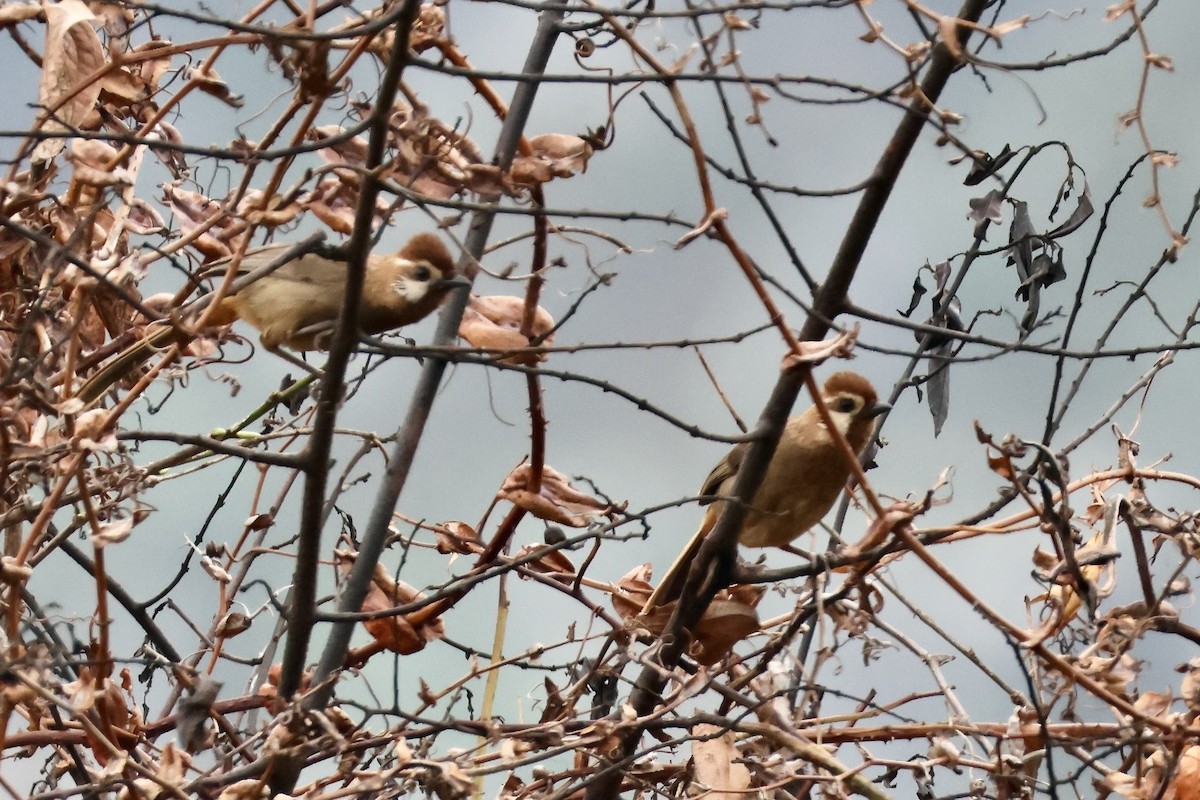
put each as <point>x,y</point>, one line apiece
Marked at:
<point>671,586</point>
<point>128,359</point>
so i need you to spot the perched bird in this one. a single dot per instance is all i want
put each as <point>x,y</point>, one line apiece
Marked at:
<point>298,304</point>
<point>806,474</point>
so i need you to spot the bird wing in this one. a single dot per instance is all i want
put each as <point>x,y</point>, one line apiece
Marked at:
<point>310,268</point>
<point>725,469</point>
<point>672,581</point>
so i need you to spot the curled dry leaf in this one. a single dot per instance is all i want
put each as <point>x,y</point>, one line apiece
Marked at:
<point>249,789</point>
<point>725,623</point>
<point>194,710</point>
<point>631,593</point>
<point>457,537</point>
<point>209,82</point>
<point>269,690</point>
<point>429,28</point>
<point>267,212</point>
<point>143,219</point>
<point>91,432</point>
<point>840,346</point>
<point>897,515</point>
<point>1064,601</point>
<point>718,763</point>
<point>12,13</point>
<point>400,633</point>
<point>1186,784</point>
<point>232,624</point>
<point>73,51</point>
<point>552,562</point>
<point>1189,685</point>
<point>493,322</point>
<point>113,532</point>
<point>554,155</point>
<point>729,618</point>
<point>192,210</point>
<point>555,501</point>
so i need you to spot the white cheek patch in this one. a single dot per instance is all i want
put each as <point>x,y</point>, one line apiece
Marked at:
<point>841,421</point>
<point>410,290</point>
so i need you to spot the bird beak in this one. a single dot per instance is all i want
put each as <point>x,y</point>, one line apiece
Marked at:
<point>876,410</point>
<point>453,282</point>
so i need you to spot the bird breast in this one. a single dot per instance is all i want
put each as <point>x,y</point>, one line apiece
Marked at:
<point>802,482</point>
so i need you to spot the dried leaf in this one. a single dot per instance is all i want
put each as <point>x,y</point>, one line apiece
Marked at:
<point>1021,241</point>
<point>632,591</point>
<point>457,537</point>
<point>552,562</point>
<point>12,13</point>
<point>494,322</point>
<point>1002,28</point>
<point>718,763</point>
<point>555,500</point>
<point>553,155</point>
<point>985,165</point>
<point>249,789</point>
<point>232,624</point>
<point>918,291</point>
<point>1186,783</point>
<point>73,51</point>
<point>724,624</point>
<point>113,532</point>
<point>400,633</point>
<point>1083,210</point>
<point>209,82</point>
<point>194,710</point>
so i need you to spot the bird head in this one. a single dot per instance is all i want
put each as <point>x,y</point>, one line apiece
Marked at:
<point>853,406</point>
<point>424,268</point>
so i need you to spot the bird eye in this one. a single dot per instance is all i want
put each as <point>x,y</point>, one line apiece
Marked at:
<point>422,274</point>
<point>845,405</point>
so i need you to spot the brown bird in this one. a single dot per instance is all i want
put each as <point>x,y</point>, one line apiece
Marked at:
<point>298,304</point>
<point>803,480</point>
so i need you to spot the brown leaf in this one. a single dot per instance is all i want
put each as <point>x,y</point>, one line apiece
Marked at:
<point>552,562</point>
<point>1186,784</point>
<point>73,52</point>
<point>249,789</point>
<point>209,82</point>
<point>717,761</point>
<point>724,624</point>
<point>631,592</point>
<point>397,633</point>
<point>232,624</point>
<point>554,155</point>
<point>555,500</point>
<point>457,537</point>
<point>429,28</point>
<point>192,210</point>
<point>112,532</point>
<point>494,323</point>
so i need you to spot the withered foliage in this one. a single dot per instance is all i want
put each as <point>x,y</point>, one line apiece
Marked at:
<point>500,643</point>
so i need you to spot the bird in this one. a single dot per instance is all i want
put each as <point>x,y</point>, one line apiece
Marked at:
<point>297,305</point>
<point>804,478</point>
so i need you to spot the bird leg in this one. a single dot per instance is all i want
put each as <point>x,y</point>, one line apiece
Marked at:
<point>299,362</point>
